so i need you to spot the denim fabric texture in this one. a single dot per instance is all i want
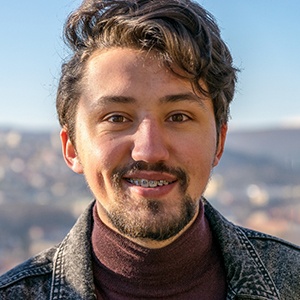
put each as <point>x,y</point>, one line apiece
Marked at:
<point>258,266</point>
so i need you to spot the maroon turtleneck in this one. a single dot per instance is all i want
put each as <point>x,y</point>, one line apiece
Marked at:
<point>189,268</point>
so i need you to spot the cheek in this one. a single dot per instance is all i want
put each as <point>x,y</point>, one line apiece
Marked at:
<point>200,168</point>
<point>199,163</point>
<point>199,152</point>
<point>102,159</point>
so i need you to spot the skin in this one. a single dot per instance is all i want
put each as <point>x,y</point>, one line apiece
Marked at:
<point>136,120</point>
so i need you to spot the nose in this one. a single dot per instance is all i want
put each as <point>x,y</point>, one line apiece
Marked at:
<point>150,143</point>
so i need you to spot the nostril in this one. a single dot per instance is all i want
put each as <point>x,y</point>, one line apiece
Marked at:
<point>150,153</point>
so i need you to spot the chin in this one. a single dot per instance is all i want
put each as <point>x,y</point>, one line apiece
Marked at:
<point>153,221</point>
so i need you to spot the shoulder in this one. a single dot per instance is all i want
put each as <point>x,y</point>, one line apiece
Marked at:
<point>255,255</point>
<point>281,258</point>
<point>271,246</point>
<point>30,279</point>
<point>264,244</point>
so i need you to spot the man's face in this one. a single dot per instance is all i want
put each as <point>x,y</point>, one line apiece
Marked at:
<point>145,142</point>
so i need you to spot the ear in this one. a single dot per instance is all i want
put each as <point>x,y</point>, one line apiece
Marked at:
<point>69,152</point>
<point>221,144</point>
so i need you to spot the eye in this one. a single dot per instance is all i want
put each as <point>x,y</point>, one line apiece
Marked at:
<point>178,117</point>
<point>116,119</point>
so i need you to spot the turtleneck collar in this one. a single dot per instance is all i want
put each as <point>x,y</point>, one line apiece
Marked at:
<point>187,263</point>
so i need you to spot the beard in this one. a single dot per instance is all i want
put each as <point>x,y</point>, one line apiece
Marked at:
<point>152,219</point>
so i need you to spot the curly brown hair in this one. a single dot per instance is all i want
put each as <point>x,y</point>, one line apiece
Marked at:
<point>181,32</point>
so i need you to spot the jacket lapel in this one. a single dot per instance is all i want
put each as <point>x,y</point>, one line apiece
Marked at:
<point>247,276</point>
<point>73,273</point>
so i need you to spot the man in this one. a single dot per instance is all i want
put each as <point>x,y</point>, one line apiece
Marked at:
<point>143,104</point>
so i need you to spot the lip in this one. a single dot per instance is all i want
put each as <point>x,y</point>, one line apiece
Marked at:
<point>148,183</point>
<point>150,192</point>
<point>150,175</point>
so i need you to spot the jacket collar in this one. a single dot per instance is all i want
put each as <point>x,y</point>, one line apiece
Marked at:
<point>247,276</point>
<point>73,272</point>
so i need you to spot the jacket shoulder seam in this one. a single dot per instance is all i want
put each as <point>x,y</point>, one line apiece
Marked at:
<point>255,235</point>
<point>6,280</point>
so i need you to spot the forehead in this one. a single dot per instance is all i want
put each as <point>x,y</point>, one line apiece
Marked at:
<point>132,74</point>
<point>126,62</point>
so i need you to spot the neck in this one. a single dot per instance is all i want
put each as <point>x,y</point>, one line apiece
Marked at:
<point>189,266</point>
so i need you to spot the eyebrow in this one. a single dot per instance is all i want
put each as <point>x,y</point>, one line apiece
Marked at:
<point>114,99</point>
<point>105,100</point>
<point>182,97</point>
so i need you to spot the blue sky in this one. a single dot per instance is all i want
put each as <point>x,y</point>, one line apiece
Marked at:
<point>263,35</point>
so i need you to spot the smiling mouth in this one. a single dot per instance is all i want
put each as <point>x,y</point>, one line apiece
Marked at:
<point>148,183</point>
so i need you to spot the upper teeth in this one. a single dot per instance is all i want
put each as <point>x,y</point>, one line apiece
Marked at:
<point>148,183</point>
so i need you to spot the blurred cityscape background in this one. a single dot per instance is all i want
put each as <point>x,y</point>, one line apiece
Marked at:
<point>257,185</point>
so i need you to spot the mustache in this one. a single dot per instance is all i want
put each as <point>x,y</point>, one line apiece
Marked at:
<point>119,172</point>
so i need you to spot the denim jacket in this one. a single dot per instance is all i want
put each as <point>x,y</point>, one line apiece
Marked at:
<point>257,265</point>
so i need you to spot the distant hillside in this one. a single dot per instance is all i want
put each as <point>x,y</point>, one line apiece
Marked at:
<point>283,145</point>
